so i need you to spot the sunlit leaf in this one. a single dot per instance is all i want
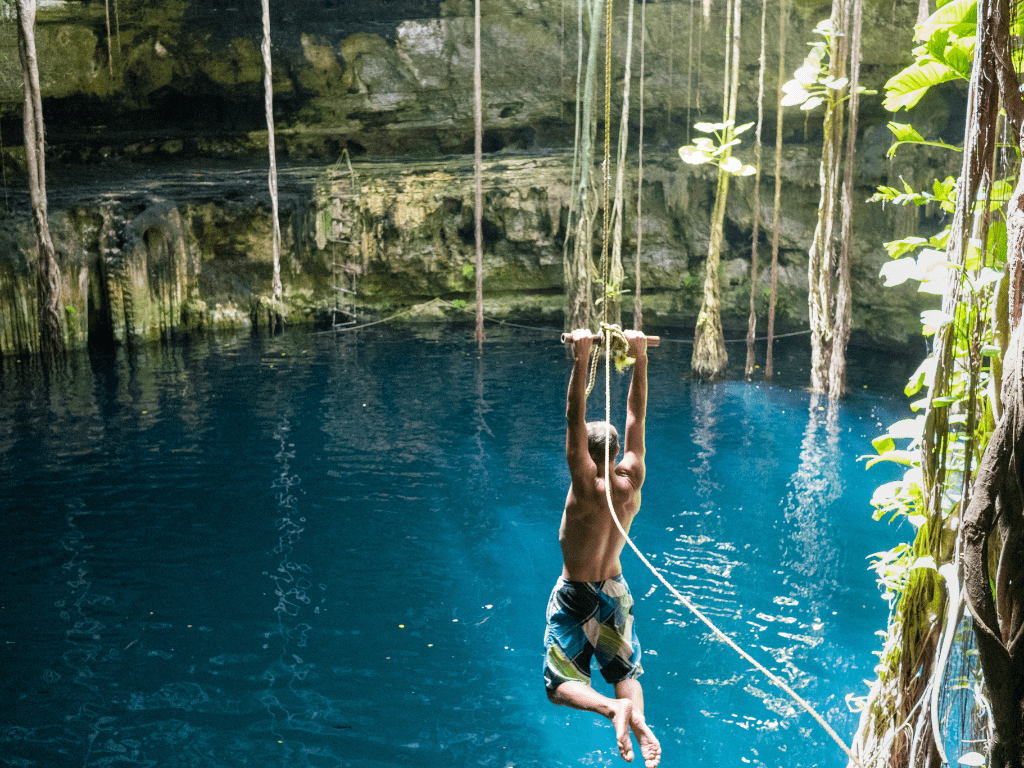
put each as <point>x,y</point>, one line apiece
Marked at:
<point>746,170</point>
<point>731,164</point>
<point>744,127</point>
<point>807,74</point>
<point>925,562</point>
<point>793,98</point>
<point>936,44</point>
<point>997,241</point>
<point>959,58</point>
<point>837,85</point>
<point>923,376</point>
<point>811,103</point>
<point>898,248</point>
<point>933,319</point>
<point>693,155</point>
<point>958,17</point>
<point>899,271</point>
<point>987,276</point>
<point>907,458</point>
<point>974,759</point>
<point>905,428</point>
<point>709,127</point>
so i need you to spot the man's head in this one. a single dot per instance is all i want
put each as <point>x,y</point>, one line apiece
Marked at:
<point>599,433</point>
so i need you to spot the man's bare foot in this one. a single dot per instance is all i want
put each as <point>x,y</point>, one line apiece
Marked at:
<point>621,719</point>
<point>650,747</point>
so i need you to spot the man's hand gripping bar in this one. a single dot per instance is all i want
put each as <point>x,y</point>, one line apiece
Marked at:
<point>652,341</point>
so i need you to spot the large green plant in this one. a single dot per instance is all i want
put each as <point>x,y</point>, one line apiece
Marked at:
<point>956,402</point>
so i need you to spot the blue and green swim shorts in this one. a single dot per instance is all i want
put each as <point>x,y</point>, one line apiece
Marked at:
<point>588,619</point>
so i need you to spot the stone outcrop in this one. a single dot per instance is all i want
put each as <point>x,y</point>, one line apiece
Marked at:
<point>170,234</point>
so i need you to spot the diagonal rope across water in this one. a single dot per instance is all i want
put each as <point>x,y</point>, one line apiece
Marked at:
<point>775,679</point>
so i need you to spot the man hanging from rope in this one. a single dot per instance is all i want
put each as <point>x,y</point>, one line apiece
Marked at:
<point>590,612</point>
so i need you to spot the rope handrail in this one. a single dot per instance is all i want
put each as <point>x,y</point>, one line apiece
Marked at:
<point>499,321</point>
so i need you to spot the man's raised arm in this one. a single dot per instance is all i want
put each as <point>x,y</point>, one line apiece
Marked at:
<point>634,447</point>
<point>576,404</point>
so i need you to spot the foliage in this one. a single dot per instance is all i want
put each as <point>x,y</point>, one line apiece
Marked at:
<point>812,85</point>
<point>948,38</point>
<point>718,151</point>
<point>961,405</point>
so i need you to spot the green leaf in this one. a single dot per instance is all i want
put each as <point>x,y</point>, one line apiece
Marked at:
<point>960,58</point>
<point>958,17</point>
<point>997,241</point>
<point>905,132</point>
<point>936,44</point>
<point>883,444</point>
<point>906,458</point>
<point>905,89</point>
<point>898,248</point>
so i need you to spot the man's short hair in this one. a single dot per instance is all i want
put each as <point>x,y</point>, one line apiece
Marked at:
<point>599,433</point>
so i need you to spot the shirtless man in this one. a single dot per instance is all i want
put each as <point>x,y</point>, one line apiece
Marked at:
<point>590,612</point>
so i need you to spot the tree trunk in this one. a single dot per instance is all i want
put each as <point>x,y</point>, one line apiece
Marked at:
<point>993,524</point>
<point>769,360</point>
<point>268,90</point>
<point>638,308</point>
<point>48,282</point>
<point>994,533</point>
<point>709,354</point>
<point>821,258</point>
<point>478,143</point>
<point>579,267</point>
<point>616,272</point>
<point>752,320</point>
<point>843,316</point>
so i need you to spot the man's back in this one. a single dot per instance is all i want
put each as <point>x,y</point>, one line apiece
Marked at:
<point>590,541</point>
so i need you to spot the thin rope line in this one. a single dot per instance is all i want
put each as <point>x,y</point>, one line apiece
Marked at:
<point>675,593</point>
<point>499,321</point>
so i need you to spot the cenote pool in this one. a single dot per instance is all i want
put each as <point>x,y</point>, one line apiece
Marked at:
<point>320,550</point>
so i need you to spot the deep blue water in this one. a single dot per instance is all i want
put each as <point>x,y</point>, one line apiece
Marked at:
<point>336,551</point>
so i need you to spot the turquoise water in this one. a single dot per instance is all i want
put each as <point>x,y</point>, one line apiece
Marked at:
<point>336,551</point>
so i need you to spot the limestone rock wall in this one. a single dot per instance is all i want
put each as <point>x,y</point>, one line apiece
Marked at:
<point>184,77</point>
<point>172,232</point>
<point>192,251</point>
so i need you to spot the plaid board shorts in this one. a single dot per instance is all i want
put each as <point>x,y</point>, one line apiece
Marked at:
<point>587,619</point>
